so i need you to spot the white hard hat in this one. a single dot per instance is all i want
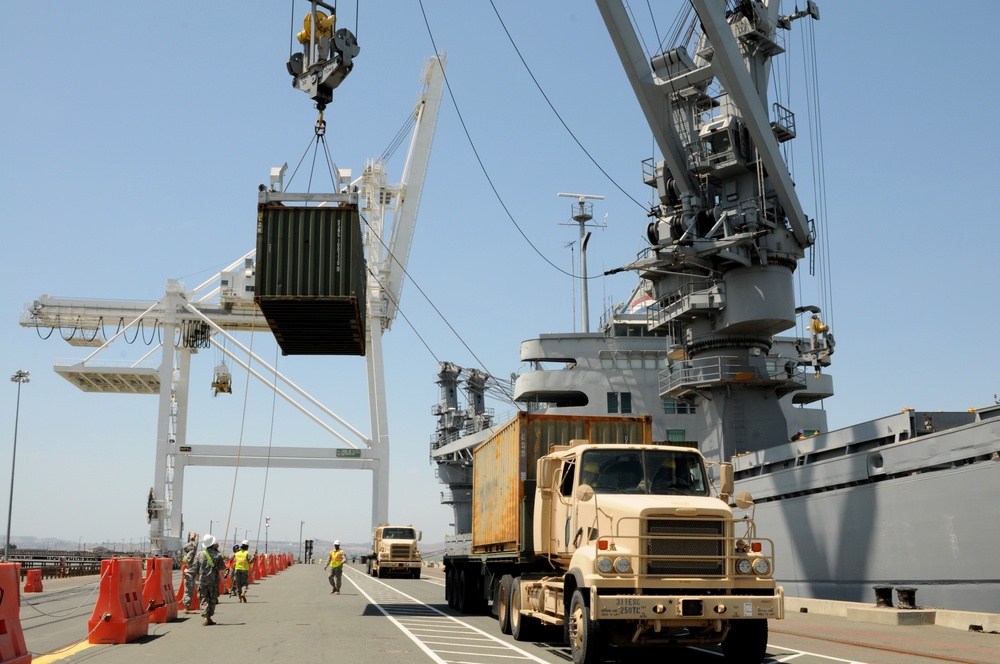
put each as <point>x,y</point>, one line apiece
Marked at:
<point>336,542</point>
<point>244,542</point>
<point>207,541</point>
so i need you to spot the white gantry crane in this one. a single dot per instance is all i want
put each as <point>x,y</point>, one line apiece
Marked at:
<point>183,322</point>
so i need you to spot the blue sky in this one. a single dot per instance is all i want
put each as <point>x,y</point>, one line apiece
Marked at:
<point>133,137</point>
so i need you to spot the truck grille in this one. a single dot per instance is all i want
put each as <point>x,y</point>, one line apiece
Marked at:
<point>679,547</point>
<point>399,552</point>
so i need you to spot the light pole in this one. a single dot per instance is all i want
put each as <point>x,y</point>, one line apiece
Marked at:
<point>267,525</point>
<point>210,522</point>
<point>19,377</point>
<point>301,523</point>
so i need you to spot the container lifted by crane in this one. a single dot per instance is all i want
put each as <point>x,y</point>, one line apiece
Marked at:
<point>197,319</point>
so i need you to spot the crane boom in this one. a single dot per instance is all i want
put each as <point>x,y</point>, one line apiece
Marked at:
<point>412,184</point>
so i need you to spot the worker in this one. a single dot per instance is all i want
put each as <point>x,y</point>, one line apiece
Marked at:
<point>242,560</point>
<point>207,567</point>
<point>230,571</point>
<point>187,560</point>
<point>336,565</point>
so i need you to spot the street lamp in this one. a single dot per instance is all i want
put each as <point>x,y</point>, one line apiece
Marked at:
<point>19,377</point>
<point>301,523</point>
<point>210,522</point>
<point>267,525</point>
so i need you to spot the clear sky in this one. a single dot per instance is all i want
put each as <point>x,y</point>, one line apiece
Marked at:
<point>133,137</point>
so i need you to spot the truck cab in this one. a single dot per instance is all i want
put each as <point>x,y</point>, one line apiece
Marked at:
<point>395,552</point>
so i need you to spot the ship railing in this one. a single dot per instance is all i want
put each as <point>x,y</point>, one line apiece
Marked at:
<point>699,294</point>
<point>727,369</point>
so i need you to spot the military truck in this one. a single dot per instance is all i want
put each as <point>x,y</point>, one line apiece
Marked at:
<point>394,551</point>
<point>583,524</point>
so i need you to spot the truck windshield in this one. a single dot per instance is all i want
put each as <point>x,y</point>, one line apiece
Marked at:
<point>398,533</point>
<point>659,472</point>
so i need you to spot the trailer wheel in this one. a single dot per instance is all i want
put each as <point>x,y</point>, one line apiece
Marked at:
<point>522,627</point>
<point>449,586</point>
<point>746,642</point>
<point>584,633</point>
<point>503,603</point>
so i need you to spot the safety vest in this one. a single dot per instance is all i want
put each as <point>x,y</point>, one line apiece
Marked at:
<point>241,560</point>
<point>208,556</point>
<point>336,558</point>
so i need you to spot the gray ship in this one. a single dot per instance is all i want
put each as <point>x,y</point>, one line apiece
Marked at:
<point>713,345</point>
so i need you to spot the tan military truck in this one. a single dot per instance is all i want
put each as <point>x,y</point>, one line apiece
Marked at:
<point>394,551</point>
<point>616,540</point>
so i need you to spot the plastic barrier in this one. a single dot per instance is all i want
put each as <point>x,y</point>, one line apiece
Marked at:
<point>33,581</point>
<point>158,590</point>
<point>269,565</point>
<point>12,648</point>
<point>119,615</point>
<point>195,602</point>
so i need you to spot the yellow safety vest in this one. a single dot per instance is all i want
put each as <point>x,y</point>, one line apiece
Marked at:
<point>241,560</point>
<point>336,558</point>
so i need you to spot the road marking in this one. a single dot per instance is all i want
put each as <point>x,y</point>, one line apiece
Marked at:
<point>444,638</point>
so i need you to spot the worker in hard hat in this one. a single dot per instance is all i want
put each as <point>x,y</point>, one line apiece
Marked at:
<point>208,565</point>
<point>336,565</point>
<point>242,559</point>
<point>187,561</point>
<point>230,571</point>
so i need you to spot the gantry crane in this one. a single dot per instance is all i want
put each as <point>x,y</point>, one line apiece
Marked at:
<point>187,321</point>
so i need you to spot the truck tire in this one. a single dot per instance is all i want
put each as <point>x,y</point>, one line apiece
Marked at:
<point>379,573</point>
<point>370,567</point>
<point>503,603</point>
<point>584,634</point>
<point>449,587</point>
<point>746,642</point>
<point>416,573</point>
<point>522,627</point>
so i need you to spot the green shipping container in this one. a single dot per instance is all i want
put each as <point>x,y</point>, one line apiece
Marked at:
<point>504,470</point>
<point>311,278</point>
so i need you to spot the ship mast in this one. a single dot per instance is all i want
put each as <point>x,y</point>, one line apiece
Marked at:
<point>728,230</point>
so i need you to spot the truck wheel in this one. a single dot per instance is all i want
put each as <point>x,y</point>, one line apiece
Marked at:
<point>369,568</point>
<point>746,642</point>
<point>379,573</point>
<point>503,603</point>
<point>584,633</point>
<point>416,573</point>
<point>449,586</point>
<point>522,627</point>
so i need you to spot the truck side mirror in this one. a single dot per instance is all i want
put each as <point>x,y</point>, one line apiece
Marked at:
<point>584,492</point>
<point>420,535</point>
<point>726,481</point>
<point>544,472</point>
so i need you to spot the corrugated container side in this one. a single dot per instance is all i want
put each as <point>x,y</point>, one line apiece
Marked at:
<point>311,278</point>
<point>505,466</point>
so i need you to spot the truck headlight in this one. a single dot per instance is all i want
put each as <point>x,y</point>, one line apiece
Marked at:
<point>744,566</point>
<point>761,567</point>
<point>604,565</point>
<point>623,565</point>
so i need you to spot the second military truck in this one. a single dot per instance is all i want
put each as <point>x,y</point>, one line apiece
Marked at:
<point>394,551</point>
<point>581,523</point>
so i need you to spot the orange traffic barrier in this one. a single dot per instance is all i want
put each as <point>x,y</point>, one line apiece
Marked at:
<point>33,581</point>
<point>119,615</point>
<point>269,565</point>
<point>12,648</point>
<point>158,590</point>
<point>195,602</point>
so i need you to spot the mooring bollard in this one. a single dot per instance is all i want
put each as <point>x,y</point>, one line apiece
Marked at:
<point>883,596</point>
<point>907,597</point>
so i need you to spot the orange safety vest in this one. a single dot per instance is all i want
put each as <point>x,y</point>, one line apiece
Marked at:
<point>336,558</point>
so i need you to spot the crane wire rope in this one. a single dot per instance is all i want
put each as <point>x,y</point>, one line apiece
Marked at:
<point>267,466</point>
<point>427,298</point>
<point>482,165</point>
<point>239,445</point>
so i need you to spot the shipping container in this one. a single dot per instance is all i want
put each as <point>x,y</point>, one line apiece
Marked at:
<point>504,468</point>
<point>311,278</point>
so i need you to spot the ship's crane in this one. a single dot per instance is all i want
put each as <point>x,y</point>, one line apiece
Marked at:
<point>728,230</point>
